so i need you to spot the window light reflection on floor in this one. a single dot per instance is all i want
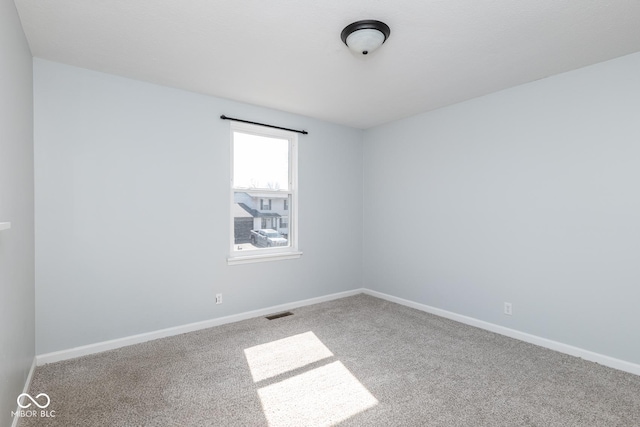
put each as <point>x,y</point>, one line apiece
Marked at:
<point>323,395</point>
<point>285,355</point>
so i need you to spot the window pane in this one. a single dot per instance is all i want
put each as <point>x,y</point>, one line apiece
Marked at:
<point>259,224</point>
<point>260,162</point>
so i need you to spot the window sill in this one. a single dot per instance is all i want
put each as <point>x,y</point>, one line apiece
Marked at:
<point>250,259</point>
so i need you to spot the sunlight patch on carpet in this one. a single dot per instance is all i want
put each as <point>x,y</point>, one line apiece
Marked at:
<point>323,396</point>
<point>277,357</point>
<point>307,394</point>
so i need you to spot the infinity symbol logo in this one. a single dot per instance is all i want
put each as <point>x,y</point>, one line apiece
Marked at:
<point>34,401</point>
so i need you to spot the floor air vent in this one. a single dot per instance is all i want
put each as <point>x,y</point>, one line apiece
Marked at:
<point>279,315</point>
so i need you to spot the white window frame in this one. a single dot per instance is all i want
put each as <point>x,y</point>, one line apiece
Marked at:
<point>274,253</point>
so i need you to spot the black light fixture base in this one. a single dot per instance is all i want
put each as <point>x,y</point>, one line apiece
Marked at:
<point>367,24</point>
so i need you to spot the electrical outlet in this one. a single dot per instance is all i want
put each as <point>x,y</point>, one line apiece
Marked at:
<point>508,309</point>
<point>218,298</point>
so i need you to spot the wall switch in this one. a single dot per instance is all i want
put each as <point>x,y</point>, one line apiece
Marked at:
<point>507,309</point>
<point>218,298</point>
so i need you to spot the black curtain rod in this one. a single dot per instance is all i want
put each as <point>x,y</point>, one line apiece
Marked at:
<point>223,117</point>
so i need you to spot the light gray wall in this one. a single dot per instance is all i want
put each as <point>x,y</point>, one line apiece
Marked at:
<point>529,195</point>
<point>17,328</point>
<point>132,202</point>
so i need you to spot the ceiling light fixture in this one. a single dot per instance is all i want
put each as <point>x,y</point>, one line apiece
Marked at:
<point>365,36</point>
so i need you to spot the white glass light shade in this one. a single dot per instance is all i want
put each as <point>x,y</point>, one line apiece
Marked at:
<point>365,41</point>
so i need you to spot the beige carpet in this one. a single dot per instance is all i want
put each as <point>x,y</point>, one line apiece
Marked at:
<point>357,361</point>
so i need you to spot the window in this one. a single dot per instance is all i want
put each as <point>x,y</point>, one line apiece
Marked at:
<point>263,194</point>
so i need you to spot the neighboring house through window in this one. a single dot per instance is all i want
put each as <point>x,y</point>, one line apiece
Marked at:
<point>264,165</point>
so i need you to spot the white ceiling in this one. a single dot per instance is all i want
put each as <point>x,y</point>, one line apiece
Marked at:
<point>288,55</point>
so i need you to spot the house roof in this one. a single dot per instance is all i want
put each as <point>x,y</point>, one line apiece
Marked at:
<point>255,213</point>
<point>240,212</point>
<point>267,195</point>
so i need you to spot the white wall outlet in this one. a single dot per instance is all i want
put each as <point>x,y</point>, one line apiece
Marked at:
<point>218,298</point>
<point>508,309</point>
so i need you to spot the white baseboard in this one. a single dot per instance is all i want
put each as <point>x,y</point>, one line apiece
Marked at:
<point>27,384</point>
<point>502,330</point>
<point>85,350</point>
<point>611,362</point>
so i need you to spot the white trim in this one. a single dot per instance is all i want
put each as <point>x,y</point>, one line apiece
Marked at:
<point>263,257</point>
<point>591,356</point>
<point>84,350</point>
<point>27,385</point>
<point>5,225</point>
<point>57,356</point>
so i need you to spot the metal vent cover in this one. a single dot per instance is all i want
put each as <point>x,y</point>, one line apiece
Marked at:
<point>279,315</point>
